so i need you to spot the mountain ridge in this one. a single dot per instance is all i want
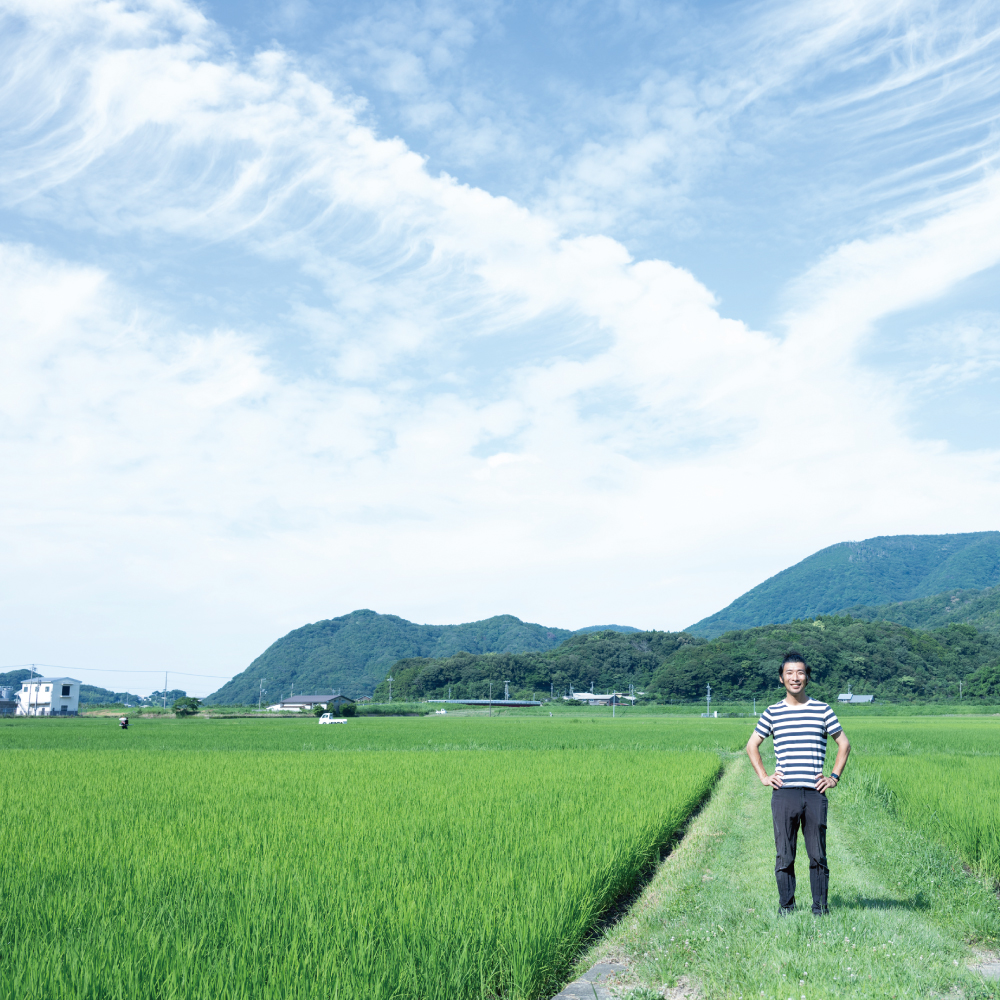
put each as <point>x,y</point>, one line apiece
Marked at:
<point>871,573</point>
<point>353,652</point>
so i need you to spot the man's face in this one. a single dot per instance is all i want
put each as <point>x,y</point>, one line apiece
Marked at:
<point>793,676</point>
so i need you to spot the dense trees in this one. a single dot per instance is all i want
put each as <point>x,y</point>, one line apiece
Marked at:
<point>599,659</point>
<point>891,661</point>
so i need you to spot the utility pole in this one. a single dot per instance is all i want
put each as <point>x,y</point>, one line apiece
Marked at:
<point>552,690</point>
<point>491,699</point>
<point>959,690</point>
<point>164,690</point>
<point>260,693</point>
<point>755,706</point>
<point>506,690</point>
<point>709,698</point>
<point>390,688</point>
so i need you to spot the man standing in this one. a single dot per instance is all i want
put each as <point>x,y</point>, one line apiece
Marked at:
<point>800,726</point>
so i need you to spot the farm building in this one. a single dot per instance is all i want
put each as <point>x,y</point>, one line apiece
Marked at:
<point>589,698</point>
<point>8,703</point>
<point>309,702</point>
<point>49,696</point>
<point>855,699</point>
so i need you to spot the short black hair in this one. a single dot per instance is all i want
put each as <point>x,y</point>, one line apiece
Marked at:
<point>793,656</point>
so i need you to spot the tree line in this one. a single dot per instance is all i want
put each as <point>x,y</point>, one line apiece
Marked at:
<point>893,662</point>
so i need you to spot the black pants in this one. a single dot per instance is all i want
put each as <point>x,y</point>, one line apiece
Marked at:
<point>792,808</point>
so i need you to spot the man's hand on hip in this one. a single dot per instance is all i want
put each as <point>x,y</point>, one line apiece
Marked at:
<point>774,780</point>
<point>823,783</point>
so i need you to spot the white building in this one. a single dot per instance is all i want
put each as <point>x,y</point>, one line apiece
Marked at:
<point>308,702</point>
<point>49,696</point>
<point>589,698</point>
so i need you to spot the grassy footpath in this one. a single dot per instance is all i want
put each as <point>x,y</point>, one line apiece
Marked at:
<point>902,910</point>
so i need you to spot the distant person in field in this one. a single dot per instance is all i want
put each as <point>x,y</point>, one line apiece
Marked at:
<point>799,725</point>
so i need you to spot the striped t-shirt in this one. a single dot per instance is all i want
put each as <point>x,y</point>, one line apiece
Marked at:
<point>799,739</point>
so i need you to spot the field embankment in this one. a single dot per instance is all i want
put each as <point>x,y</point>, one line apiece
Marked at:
<point>906,916</point>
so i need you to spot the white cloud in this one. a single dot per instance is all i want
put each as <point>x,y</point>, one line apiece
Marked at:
<point>843,296</point>
<point>628,442</point>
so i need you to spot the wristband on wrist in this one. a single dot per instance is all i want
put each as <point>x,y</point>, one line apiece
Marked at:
<point>835,776</point>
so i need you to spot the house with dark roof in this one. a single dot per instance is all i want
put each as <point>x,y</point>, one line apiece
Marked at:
<point>309,703</point>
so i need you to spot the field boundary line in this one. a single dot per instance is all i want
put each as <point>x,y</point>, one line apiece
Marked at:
<point>623,905</point>
<point>696,841</point>
<point>592,985</point>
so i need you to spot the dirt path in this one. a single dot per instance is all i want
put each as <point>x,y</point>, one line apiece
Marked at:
<point>902,911</point>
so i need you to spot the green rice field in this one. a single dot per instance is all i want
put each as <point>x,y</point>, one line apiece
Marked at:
<point>245,859</point>
<point>471,858</point>
<point>941,778</point>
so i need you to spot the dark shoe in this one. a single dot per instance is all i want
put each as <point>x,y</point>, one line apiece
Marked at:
<point>823,911</point>
<point>786,911</point>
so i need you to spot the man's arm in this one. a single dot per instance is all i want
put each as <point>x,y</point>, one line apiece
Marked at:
<point>843,752</point>
<point>753,752</point>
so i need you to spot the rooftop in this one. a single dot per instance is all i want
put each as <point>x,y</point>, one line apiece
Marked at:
<point>314,699</point>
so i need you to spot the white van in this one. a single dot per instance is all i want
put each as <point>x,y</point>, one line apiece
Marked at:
<point>327,717</point>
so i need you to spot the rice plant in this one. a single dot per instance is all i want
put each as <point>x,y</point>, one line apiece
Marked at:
<point>171,873</point>
<point>954,798</point>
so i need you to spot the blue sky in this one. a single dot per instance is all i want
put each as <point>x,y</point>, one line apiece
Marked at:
<point>583,312</point>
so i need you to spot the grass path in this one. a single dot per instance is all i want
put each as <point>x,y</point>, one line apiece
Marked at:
<point>903,911</point>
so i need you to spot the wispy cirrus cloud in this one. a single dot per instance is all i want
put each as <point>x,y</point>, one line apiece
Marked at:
<point>293,370</point>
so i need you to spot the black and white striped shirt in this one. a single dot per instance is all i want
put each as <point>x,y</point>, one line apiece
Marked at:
<point>799,739</point>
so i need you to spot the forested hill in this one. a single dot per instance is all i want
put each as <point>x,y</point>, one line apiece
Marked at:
<point>872,573</point>
<point>598,659</point>
<point>890,661</point>
<point>352,653</point>
<point>966,607</point>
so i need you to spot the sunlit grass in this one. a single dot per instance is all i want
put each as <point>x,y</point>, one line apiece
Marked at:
<point>254,874</point>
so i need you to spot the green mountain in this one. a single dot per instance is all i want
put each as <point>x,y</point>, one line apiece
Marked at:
<point>353,652</point>
<point>980,608</point>
<point>590,659</point>
<point>891,661</point>
<point>872,573</point>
